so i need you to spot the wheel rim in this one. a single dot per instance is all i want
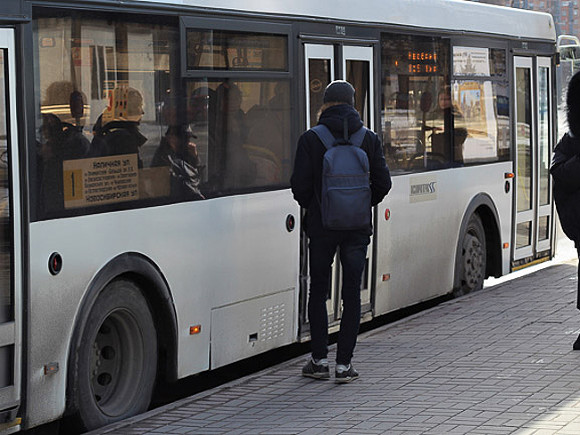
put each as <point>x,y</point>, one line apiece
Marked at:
<point>473,261</point>
<point>116,363</point>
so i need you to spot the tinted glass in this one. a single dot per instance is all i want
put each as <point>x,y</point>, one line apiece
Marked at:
<point>241,133</point>
<point>524,139</point>
<point>544,228</point>
<point>482,103</point>
<point>118,127</point>
<point>358,74</point>
<point>417,115</point>
<point>223,50</point>
<point>101,86</point>
<point>544,134</point>
<point>319,79</point>
<point>6,366</point>
<point>485,126</point>
<point>523,235</point>
<point>6,253</point>
<point>6,293</point>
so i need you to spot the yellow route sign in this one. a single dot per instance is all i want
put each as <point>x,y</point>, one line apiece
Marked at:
<point>100,180</point>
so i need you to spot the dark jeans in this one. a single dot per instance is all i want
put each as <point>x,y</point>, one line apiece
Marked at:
<point>353,249</point>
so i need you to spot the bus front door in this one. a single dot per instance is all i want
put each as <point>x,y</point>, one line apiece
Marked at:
<point>356,66</point>
<point>533,132</point>
<point>10,245</point>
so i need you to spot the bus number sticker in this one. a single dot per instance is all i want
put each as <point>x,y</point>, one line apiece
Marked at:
<point>100,180</point>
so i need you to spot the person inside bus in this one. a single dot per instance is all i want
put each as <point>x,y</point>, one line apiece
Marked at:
<point>178,151</point>
<point>229,161</point>
<point>116,131</point>
<point>306,181</point>
<point>446,118</point>
<point>62,139</point>
<point>565,170</point>
<point>268,134</point>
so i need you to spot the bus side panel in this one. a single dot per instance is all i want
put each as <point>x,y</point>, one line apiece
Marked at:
<point>417,245</point>
<point>212,253</point>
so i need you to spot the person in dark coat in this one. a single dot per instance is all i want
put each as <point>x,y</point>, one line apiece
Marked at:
<point>116,131</point>
<point>565,172</point>
<point>306,184</point>
<point>178,151</point>
<point>61,141</point>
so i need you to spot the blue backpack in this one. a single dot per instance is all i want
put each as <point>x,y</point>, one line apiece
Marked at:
<point>345,201</point>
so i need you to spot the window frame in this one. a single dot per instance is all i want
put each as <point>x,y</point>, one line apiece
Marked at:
<point>491,45</point>
<point>243,26</point>
<point>446,41</point>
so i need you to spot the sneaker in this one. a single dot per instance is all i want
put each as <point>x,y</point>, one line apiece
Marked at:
<point>344,374</point>
<point>315,371</point>
<point>576,345</point>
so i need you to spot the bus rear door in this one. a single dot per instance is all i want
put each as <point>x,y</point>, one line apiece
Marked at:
<point>533,118</point>
<point>355,64</point>
<point>10,242</point>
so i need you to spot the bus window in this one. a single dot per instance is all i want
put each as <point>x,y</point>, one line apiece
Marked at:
<point>242,133</point>
<point>416,114</point>
<point>101,84</point>
<point>6,290</point>
<point>228,51</point>
<point>481,95</point>
<point>242,125</point>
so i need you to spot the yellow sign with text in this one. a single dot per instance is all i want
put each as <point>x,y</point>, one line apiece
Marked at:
<point>100,180</point>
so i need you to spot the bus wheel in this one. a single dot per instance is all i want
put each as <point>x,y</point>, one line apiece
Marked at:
<point>114,367</point>
<point>472,263</point>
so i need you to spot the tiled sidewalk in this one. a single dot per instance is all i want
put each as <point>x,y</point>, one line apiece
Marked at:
<point>499,361</point>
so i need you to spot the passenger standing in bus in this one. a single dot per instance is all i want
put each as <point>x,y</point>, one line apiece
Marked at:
<point>565,171</point>
<point>306,184</point>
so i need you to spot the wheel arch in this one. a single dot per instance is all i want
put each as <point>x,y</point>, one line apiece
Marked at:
<point>484,207</point>
<point>147,276</point>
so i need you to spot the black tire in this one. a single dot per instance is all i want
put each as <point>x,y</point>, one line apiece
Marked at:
<point>472,262</point>
<point>113,369</point>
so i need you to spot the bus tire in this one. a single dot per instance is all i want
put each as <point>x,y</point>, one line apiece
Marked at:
<point>115,365</point>
<point>472,263</point>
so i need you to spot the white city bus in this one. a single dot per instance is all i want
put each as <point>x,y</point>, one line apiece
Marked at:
<point>149,232</point>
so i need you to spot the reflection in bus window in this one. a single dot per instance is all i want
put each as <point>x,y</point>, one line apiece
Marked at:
<point>243,133</point>
<point>486,124</point>
<point>226,50</point>
<point>482,97</point>
<point>544,92</point>
<point>524,161</point>
<point>100,83</point>
<point>6,295</point>
<point>415,124</point>
<point>116,130</point>
<point>319,71</point>
<point>357,73</point>
<point>117,125</point>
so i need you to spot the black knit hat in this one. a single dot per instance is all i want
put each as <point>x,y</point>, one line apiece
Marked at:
<point>339,91</point>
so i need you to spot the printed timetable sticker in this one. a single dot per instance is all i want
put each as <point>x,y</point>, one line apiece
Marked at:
<point>100,180</point>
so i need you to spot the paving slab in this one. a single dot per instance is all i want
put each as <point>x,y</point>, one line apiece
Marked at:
<point>498,361</point>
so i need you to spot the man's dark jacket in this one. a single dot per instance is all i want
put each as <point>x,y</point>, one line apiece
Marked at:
<point>565,171</point>
<point>307,176</point>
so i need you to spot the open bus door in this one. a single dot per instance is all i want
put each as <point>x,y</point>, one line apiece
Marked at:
<point>533,151</point>
<point>356,67</point>
<point>10,243</point>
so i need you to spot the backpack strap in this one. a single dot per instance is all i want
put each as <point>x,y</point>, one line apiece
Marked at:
<point>358,136</point>
<point>328,140</point>
<point>324,135</point>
